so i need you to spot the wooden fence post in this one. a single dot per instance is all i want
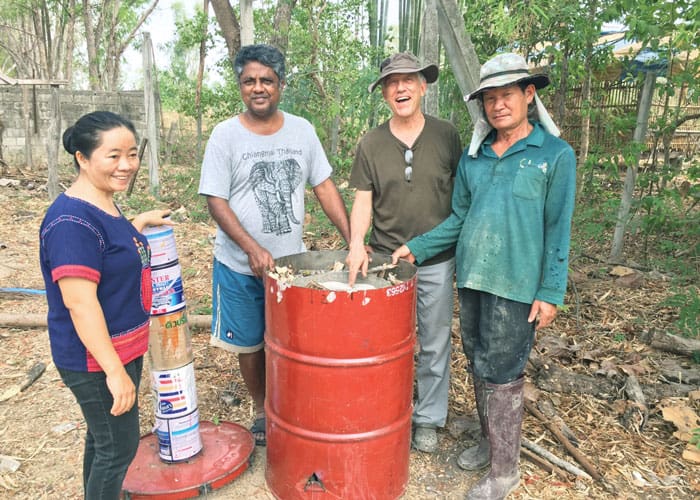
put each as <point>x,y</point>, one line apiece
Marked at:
<point>52,141</point>
<point>152,121</point>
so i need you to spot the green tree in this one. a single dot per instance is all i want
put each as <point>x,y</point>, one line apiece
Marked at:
<point>110,28</point>
<point>37,39</point>
<point>666,192</point>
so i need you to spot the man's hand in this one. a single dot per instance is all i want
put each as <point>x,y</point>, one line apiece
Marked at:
<point>544,312</point>
<point>260,261</point>
<point>357,261</point>
<point>403,252</point>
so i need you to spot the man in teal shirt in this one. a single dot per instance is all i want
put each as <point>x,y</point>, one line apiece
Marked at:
<point>511,221</point>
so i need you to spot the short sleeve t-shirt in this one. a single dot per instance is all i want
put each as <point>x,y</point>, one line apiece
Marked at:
<point>402,210</point>
<point>80,240</point>
<point>263,178</point>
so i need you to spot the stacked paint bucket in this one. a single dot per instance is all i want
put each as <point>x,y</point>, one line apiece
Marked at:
<point>170,353</point>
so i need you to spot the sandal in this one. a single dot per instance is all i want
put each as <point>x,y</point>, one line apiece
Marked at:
<point>258,430</point>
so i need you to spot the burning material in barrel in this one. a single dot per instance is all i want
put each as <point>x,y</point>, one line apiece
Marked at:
<point>336,278</point>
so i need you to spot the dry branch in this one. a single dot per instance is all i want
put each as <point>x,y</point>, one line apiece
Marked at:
<point>196,321</point>
<point>552,378</point>
<point>554,459</point>
<point>33,375</point>
<point>670,343</point>
<point>636,413</point>
<point>547,408</point>
<point>543,463</point>
<point>132,181</point>
<point>573,451</point>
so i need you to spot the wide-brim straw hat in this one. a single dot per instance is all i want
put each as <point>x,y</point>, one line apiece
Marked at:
<point>404,62</point>
<point>506,69</point>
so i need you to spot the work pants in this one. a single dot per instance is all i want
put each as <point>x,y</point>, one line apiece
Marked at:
<point>111,442</point>
<point>435,297</point>
<point>496,335</point>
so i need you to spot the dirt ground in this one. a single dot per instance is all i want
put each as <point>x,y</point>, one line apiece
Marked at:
<point>42,430</point>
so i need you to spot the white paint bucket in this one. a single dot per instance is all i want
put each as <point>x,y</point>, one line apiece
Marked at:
<point>176,412</point>
<point>174,391</point>
<point>162,242</point>
<point>178,438</point>
<point>168,292</point>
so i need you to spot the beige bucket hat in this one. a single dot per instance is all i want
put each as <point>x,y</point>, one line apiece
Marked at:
<point>506,69</point>
<point>500,71</point>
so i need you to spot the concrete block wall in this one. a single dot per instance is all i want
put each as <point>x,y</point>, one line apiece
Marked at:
<point>24,118</point>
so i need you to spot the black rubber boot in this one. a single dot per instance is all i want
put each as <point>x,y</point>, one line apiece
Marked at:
<point>479,456</point>
<point>504,413</point>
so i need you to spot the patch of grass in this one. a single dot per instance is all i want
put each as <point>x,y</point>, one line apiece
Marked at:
<point>687,304</point>
<point>203,305</point>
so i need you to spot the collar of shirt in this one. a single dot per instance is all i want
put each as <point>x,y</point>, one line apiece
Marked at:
<point>534,138</point>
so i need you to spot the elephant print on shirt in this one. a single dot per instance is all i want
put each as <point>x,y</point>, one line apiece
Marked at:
<point>273,183</point>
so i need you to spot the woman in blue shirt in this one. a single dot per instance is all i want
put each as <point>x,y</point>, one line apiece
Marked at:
<point>96,268</point>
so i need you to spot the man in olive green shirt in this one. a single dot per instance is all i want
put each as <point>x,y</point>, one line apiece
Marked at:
<point>403,173</point>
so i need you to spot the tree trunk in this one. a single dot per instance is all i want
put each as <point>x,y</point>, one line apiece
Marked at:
<point>67,56</point>
<point>91,35</point>
<point>631,177</point>
<point>335,127</point>
<point>41,46</point>
<point>247,22</point>
<point>283,19</point>
<point>115,47</point>
<point>230,29</point>
<point>560,93</point>
<point>377,35</point>
<point>315,77</point>
<point>586,100</point>
<point>671,343</point>
<point>200,77</point>
<point>430,46</point>
<point>556,379</point>
<point>28,131</point>
<point>460,51</point>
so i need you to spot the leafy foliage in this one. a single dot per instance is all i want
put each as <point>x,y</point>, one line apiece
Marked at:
<point>687,302</point>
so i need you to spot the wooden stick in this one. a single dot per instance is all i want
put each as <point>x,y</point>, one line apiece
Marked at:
<point>543,463</point>
<point>547,408</point>
<point>580,457</point>
<point>142,150</point>
<point>636,414</point>
<point>554,459</point>
<point>196,321</point>
<point>33,374</point>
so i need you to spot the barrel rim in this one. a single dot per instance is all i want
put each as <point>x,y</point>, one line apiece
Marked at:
<point>323,260</point>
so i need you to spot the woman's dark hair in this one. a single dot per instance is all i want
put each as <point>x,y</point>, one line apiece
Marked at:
<point>86,135</point>
<point>267,55</point>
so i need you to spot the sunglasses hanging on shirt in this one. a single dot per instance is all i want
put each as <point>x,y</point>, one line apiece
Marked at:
<point>408,171</point>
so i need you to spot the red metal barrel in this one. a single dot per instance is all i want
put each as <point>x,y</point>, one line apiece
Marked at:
<point>339,372</point>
